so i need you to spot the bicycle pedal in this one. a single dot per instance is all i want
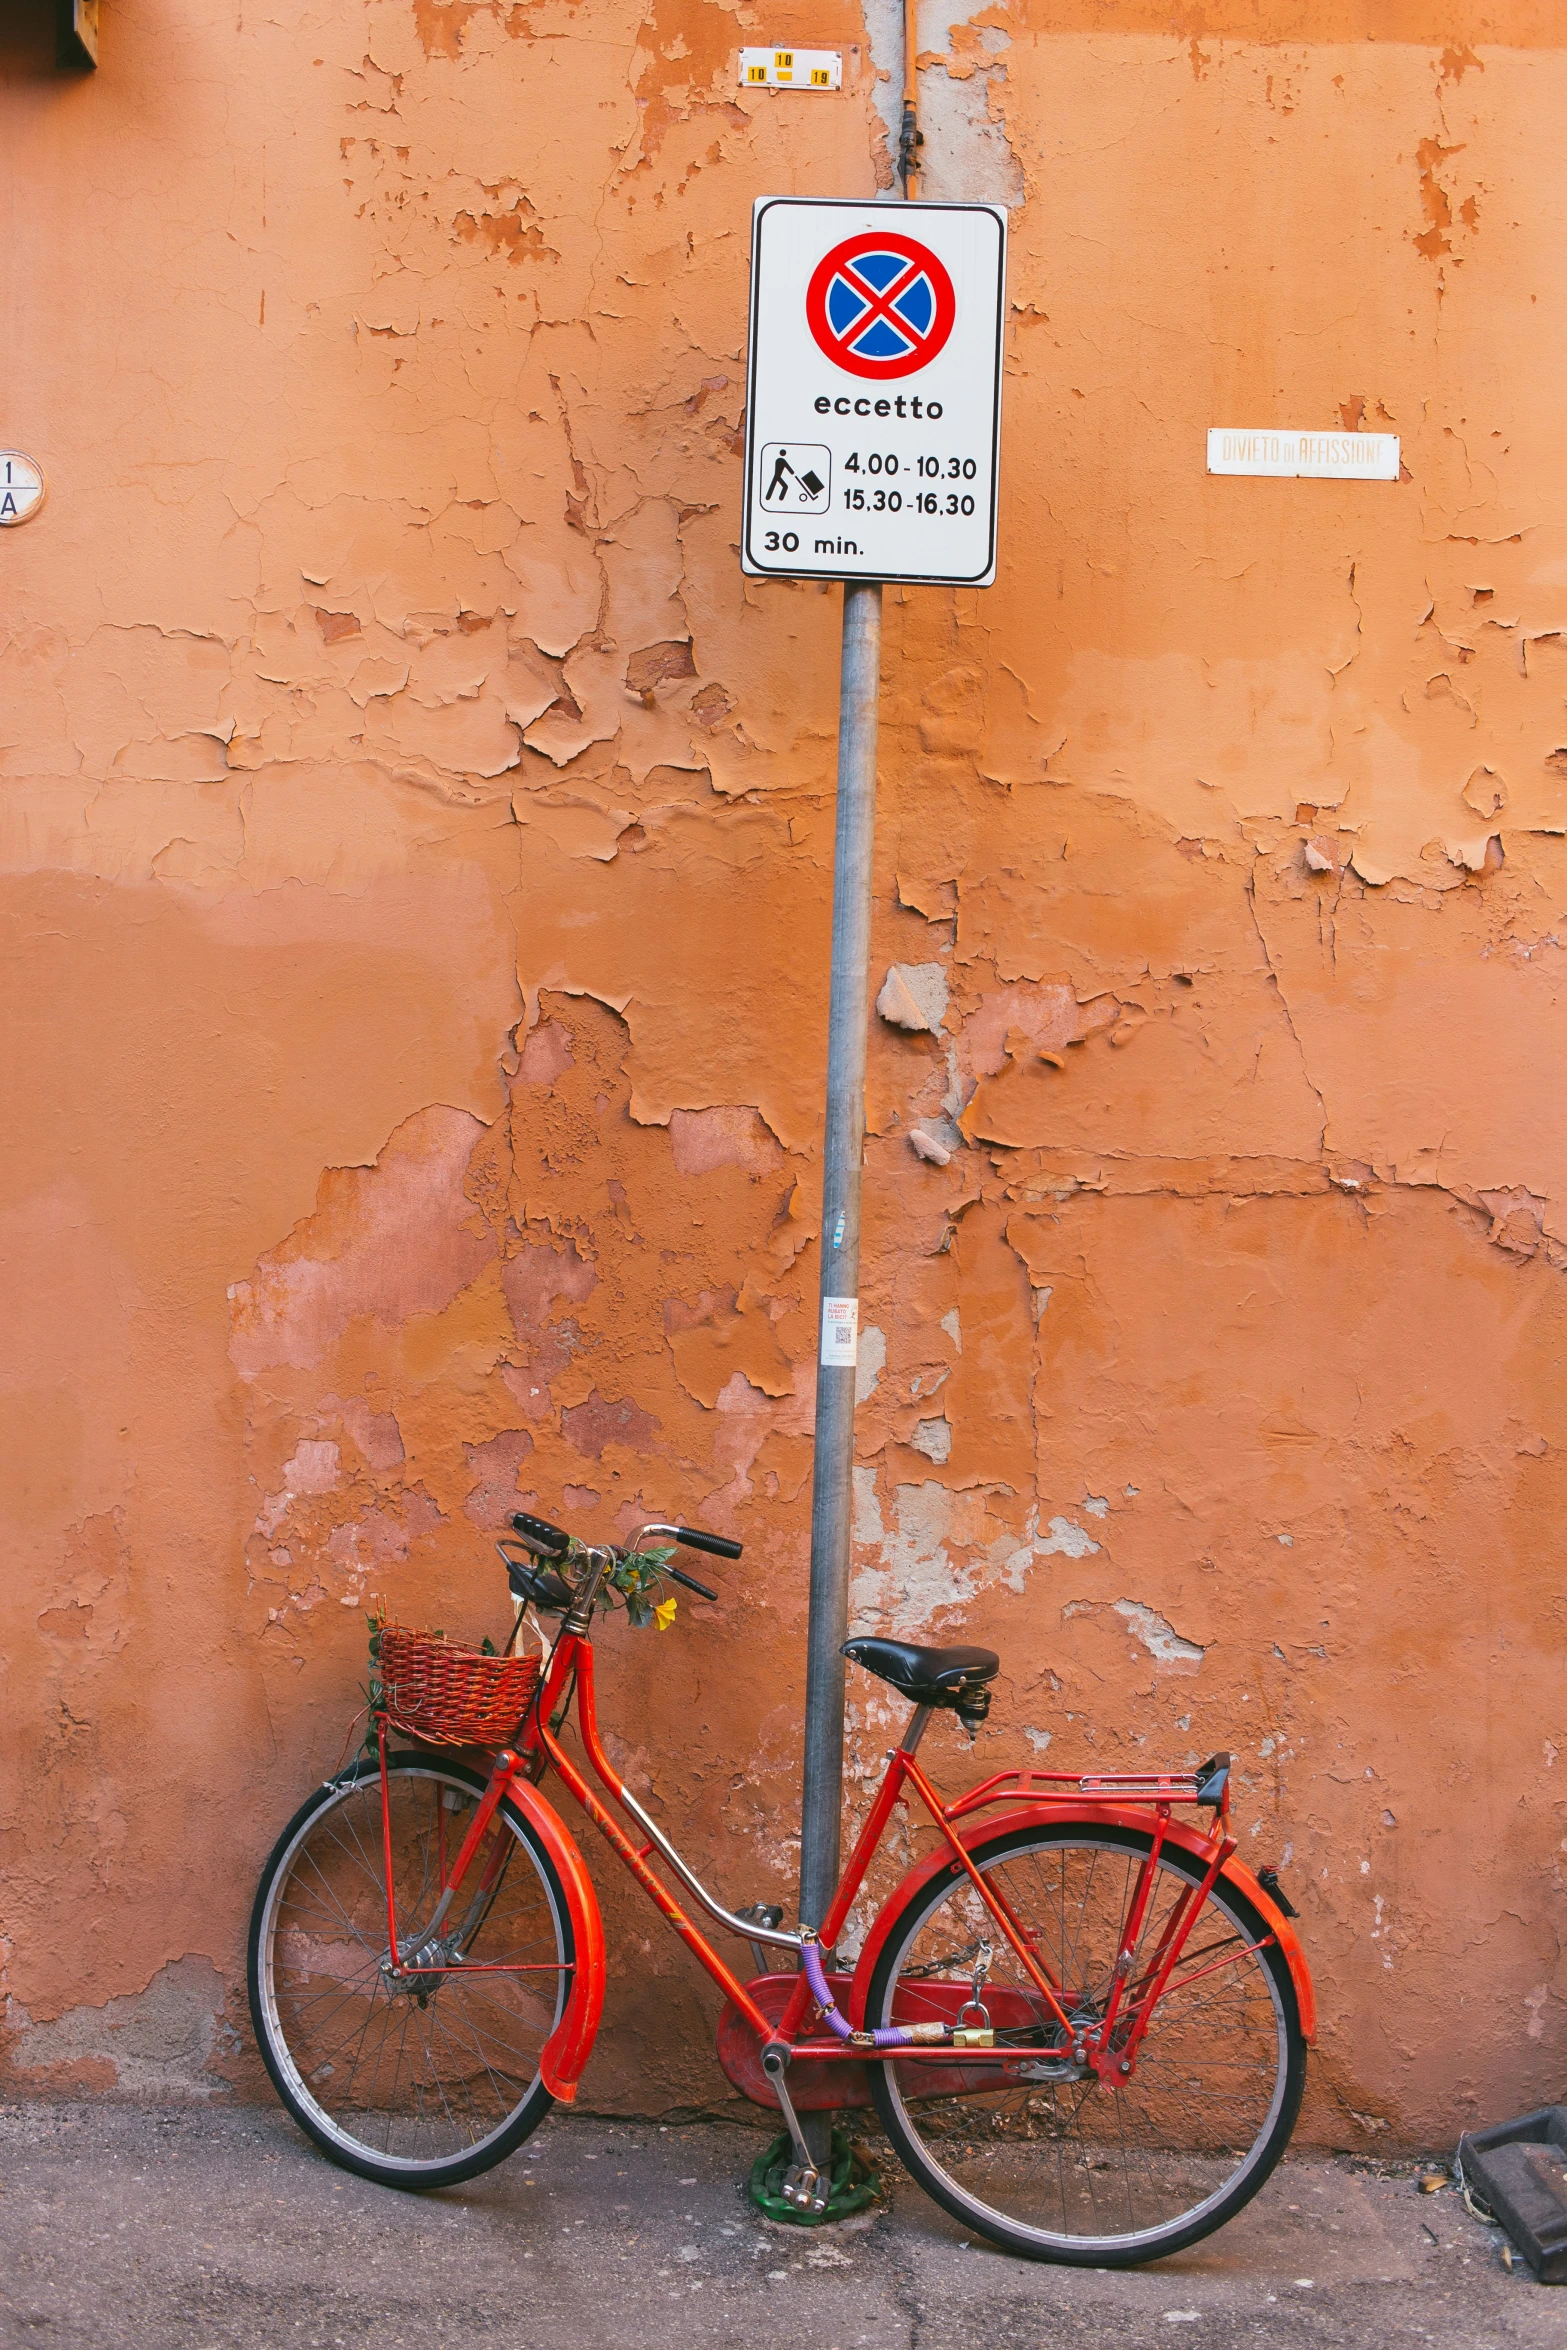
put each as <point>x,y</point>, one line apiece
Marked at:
<point>805,2187</point>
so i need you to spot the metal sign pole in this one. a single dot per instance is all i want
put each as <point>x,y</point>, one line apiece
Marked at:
<point>847,1024</point>
<point>872,441</point>
<point>873,423</point>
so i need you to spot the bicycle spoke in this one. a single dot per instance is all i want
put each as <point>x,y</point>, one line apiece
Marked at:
<point>442,2024</point>
<point>311,1861</point>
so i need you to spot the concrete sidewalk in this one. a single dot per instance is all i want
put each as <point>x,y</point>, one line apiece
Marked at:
<point>202,2229</point>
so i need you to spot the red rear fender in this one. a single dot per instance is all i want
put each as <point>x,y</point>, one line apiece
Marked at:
<point>568,2047</point>
<point>979,1829</point>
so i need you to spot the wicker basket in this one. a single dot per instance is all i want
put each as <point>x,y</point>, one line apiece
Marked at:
<point>450,1695</point>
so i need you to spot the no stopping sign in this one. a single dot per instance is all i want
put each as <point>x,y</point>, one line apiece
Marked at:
<point>874,398</point>
<point>880,306</point>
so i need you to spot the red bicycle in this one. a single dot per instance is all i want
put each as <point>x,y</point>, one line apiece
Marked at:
<point>1083,2022</point>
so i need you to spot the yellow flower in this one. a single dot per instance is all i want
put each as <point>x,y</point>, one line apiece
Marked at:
<point>664,1614</point>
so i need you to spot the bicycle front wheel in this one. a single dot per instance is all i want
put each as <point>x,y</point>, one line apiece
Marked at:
<point>1051,2164</point>
<point>417,2079</point>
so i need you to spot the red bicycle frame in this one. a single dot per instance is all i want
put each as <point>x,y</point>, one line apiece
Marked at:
<point>1144,1801</point>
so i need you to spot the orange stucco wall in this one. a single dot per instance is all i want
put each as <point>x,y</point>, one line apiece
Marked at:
<point>416,851</point>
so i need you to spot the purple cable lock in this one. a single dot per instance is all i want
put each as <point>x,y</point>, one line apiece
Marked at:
<point>816,1975</point>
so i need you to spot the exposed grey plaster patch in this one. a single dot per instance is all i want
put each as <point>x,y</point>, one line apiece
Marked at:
<point>1158,1635</point>
<point>158,2040</point>
<point>916,1575</point>
<point>312,1468</point>
<point>1097,1505</point>
<point>954,1328</point>
<point>934,1439</point>
<point>1038,1739</point>
<point>871,1363</point>
<point>1068,1539</point>
<point>868,1526</point>
<point>884,31</point>
<point>966,156</point>
<point>938,1134</point>
<point>912,1573</point>
<point>914,996</point>
<point>1065,1540</point>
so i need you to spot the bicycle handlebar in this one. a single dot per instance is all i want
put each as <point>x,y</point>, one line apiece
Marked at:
<point>717,1546</point>
<point>691,1583</point>
<point>553,1542</point>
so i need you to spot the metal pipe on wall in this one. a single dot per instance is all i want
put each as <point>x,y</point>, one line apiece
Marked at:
<point>909,139</point>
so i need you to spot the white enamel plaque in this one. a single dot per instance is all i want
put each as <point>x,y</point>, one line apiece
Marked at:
<point>1304,456</point>
<point>23,488</point>
<point>873,413</point>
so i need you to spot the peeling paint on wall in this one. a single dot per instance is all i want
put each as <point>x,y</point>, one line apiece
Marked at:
<point>417,845</point>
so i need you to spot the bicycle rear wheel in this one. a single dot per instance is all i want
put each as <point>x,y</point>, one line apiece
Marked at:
<point>1050,2164</point>
<point>414,2081</point>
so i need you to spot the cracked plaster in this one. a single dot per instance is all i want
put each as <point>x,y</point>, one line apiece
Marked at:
<point>417,846</point>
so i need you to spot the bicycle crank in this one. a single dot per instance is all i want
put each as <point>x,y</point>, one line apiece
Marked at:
<point>805,2186</point>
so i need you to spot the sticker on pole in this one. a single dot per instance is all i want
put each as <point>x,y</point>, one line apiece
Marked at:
<point>873,411</point>
<point>841,1330</point>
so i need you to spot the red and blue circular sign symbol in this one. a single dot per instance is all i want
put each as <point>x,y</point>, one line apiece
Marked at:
<point>880,305</point>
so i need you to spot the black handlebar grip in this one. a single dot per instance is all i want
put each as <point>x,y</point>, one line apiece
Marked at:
<point>539,1534</point>
<point>717,1546</point>
<point>690,1582</point>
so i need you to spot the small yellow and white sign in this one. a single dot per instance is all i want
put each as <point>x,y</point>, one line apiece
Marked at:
<point>791,69</point>
<point>23,488</point>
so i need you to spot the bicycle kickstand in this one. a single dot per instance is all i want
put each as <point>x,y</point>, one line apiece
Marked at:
<point>804,2185</point>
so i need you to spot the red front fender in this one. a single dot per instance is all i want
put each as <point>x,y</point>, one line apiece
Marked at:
<point>569,2046</point>
<point>978,1829</point>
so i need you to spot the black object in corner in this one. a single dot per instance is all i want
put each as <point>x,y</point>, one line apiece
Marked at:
<point>1519,2168</point>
